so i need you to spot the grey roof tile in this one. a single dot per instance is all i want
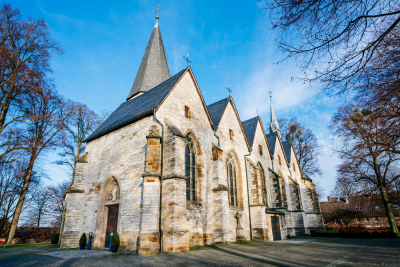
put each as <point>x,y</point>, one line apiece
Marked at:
<point>249,128</point>
<point>217,109</point>
<point>153,69</point>
<point>137,108</point>
<point>271,138</point>
<point>287,148</point>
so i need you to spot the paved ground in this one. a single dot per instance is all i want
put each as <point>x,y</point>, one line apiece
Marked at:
<point>309,251</point>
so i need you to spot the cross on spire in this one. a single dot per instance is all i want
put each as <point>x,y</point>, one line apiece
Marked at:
<point>158,10</point>
<point>229,89</point>
<point>187,59</point>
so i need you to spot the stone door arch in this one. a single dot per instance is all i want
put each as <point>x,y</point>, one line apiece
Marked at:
<point>109,198</point>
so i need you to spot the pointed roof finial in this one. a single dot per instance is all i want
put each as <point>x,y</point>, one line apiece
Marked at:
<point>153,69</point>
<point>274,127</point>
<point>157,12</point>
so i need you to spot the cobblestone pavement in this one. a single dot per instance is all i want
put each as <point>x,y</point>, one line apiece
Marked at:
<point>294,252</point>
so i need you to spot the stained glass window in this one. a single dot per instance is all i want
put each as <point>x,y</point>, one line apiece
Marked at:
<point>263,186</point>
<point>190,169</point>
<point>233,195</point>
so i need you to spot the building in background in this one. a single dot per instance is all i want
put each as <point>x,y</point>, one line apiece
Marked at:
<point>363,211</point>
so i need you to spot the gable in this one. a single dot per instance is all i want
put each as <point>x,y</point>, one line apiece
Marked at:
<point>185,94</point>
<point>275,143</point>
<point>217,110</point>
<point>255,134</point>
<point>230,121</point>
<point>260,134</point>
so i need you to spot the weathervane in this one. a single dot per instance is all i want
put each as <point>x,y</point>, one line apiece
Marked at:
<point>270,94</point>
<point>257,111</point>
<point>158,11</point>
<point>229,89</point>
<point>187,59</point>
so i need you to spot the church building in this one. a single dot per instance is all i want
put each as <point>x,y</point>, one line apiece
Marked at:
<point>168,172</point>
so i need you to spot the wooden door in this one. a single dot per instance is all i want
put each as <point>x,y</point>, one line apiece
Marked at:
<point>276,229</point>
<point>112,222</point>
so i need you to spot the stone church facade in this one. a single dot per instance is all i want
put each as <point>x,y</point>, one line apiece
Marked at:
<point>167,172</point>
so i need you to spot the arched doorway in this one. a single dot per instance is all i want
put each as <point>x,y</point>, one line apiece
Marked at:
<point>112,207</point>
<point>109,199</point>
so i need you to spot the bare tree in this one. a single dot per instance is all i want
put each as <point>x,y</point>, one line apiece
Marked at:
<point>11,181</point>
<point>38,210</point>
<point>25,51</point>
<point>81,121</point>
<point>333,40</point>
<point>345,187</point>
<point>305,145</point>
<point>379,83</point>
<point>43,131</point>
<point>56,202</point>
<point>366,153</point>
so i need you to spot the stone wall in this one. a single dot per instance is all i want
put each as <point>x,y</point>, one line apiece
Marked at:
<point>131,156</point>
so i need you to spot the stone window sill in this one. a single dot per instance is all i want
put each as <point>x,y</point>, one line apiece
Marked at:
<point>235,208</point>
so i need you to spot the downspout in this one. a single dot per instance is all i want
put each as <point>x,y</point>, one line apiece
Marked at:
<point>161,175</point>
<point>248,194</point>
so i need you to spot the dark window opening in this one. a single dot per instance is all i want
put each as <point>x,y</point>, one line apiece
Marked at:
<point>190,170</point>
<point>231,134</point>
<point>187,112</point>
<point>233,197</point>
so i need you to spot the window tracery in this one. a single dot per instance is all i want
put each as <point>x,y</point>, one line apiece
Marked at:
<point>263,185</point>
<point>232,181</point>
<point>190,169</point>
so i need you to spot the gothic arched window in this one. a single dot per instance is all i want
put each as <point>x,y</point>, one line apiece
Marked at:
<point>232,181</point>
<point>190,169</point>
<point>294,167</point>
<point>263,185</point>
<point>279,160</point>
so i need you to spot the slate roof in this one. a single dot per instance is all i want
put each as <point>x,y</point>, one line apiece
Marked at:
<point>137,108</point>
<point>217,109</point>
<point>249,128</point>
<point>153,69</point>
<point>271,138</point>
<point>287,148</point>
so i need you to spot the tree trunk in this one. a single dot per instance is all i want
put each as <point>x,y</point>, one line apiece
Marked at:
<point>21,200</point>
<point>389,213</point>
<point>6,105</point>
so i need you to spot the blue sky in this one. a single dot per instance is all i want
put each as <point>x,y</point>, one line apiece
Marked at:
<point>228,43</point>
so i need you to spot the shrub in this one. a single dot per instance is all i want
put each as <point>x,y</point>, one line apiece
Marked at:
<point>82,240</point>
<point>54,238</point>
<point>115,240</point>
<point>365,234</point>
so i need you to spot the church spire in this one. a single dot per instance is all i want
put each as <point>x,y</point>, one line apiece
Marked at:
<point>154,67</point>
<point>274,125</point>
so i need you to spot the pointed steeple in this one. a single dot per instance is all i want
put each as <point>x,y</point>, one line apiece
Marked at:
<point>154,67</point>
<point>274,126</point>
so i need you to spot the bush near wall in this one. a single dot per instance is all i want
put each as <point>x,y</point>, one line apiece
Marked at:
<point>365,234</point>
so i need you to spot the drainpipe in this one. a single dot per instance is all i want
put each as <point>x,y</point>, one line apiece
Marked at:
<point>248,194</point>
<point>215,134</point>
<point>161,175</point>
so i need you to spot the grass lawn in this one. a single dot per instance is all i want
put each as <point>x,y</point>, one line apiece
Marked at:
<point>28,244</point>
